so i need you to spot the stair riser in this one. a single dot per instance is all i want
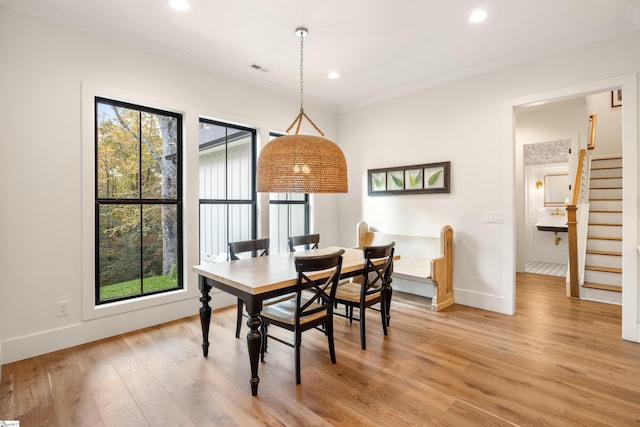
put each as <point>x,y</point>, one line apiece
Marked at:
<point>604,260</point>
<point>606,205</point>
<point>605,173</point>
<point>606,217</point>
<point>603,296</point>
<point>602,230</point>
<point>604,245</point>
<point>607,183</point>
<point>605,193</point>
<point>603,277</point>
<point>615,162</point>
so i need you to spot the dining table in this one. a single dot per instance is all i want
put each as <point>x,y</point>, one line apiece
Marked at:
<point>255,280</point>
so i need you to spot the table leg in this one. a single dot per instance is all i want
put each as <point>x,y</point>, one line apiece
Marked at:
<point>254,341</point>
<point>205,313</point>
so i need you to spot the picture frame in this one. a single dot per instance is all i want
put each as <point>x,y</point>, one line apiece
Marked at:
<point>616,98</point>
<point>414,179</point>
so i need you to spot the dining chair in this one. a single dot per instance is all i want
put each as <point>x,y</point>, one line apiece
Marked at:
<point>304,312</point>
<point>310,241</point>
<point>256,247</point>
<point>373,287</point>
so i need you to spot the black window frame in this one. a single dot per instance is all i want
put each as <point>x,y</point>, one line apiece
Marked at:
<point>253,201</point>
<point>178,201</point>
<point>305,202</point>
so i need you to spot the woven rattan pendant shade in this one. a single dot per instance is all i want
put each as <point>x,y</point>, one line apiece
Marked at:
<point>302,164</point>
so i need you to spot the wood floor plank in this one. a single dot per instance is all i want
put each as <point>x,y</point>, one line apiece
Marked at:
<point>557,361</point>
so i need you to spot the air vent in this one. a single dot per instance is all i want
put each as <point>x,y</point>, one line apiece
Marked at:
<point>259,68</point>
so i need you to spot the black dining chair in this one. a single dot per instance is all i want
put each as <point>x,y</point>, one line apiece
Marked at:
<point>257,247</point>
<point>312,307</point>
<point>309,241</point>
<point>373,287</point>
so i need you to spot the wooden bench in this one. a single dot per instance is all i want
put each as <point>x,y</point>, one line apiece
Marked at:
<point>425,266</point>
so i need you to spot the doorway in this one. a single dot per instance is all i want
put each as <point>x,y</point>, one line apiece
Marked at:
<point>515,185</point>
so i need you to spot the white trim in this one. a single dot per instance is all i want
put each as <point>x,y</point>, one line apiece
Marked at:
<point>628,83</point>
<point>89,309</point>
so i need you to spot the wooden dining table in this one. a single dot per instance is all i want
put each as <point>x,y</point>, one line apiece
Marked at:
<point>256,279</point>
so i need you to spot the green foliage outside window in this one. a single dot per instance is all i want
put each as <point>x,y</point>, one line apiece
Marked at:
<point>137,201</point>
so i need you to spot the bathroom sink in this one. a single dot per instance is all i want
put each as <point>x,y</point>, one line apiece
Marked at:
<point>552,220</point>
<point>554,228</point>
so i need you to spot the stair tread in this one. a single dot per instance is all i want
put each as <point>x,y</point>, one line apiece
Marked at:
<point>604,158</point>
<point>602,199</point>
<point>605,177</point>
<point>604,269</point>
<point>604,287</point>
<point>605,188</point>
<point>605,238</point>
<point>605,224</point>
<point>604,211</point>
<point>611,253</point>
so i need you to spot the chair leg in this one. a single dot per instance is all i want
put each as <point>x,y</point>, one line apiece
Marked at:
<point>239,317</point>
<point>389,293</point>
<point>363,338</point>
<point>332,349</point>
<point>384,316</point>
<point>263,343</point>
<point>298,341</point>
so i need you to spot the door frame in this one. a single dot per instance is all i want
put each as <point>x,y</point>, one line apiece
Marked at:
<point>630,249</point>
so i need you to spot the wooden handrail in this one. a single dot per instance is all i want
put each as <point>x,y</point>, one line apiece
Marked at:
<point>592,132</point>
<point>576,185</point>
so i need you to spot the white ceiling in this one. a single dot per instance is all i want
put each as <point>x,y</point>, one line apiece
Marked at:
<point>380,48</point>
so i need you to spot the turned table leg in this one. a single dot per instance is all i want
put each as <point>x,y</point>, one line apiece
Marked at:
<point>205,313</point>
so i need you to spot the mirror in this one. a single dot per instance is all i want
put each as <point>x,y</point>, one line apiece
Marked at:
<point>556,189</point>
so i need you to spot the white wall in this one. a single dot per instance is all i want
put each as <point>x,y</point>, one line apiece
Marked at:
<point>48,75</point>
<point>608,124</point>
<point>468,122</point>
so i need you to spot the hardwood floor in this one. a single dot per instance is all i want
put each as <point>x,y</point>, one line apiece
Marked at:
<point>557,362</point>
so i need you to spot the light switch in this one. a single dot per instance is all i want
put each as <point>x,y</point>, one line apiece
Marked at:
<point>494,217</point>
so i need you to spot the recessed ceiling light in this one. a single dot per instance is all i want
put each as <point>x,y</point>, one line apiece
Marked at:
<point>333,75</point>
<point>478,15</point>
<point>180,5</point>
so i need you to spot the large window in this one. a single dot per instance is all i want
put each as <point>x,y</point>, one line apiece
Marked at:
<point>138,202</point>
<point>288,216</point>
<point>227,187</point>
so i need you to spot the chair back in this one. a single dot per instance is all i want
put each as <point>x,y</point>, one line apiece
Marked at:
<point>257,247</point>
<point>375,278</point>
<point>319,294</point>
<point>309,240</point>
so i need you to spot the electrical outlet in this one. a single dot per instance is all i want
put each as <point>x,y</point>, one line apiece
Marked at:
<point>62,308</point>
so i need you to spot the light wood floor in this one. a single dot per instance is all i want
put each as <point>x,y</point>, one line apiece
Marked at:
<point>557,362</point>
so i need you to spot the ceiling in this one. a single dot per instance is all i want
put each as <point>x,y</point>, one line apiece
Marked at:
<point>379,48</point>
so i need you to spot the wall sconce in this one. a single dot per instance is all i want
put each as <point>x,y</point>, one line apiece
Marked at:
<point>538,185</point>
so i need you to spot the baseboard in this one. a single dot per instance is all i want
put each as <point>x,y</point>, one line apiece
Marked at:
<point>24,347</point>
<point>482,301</point>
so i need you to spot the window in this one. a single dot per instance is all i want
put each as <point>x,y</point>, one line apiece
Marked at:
<point>288,216</point>
<point>227,187</point>
<point>138,200</point>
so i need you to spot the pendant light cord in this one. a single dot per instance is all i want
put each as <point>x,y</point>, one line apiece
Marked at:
<point>302,34</point>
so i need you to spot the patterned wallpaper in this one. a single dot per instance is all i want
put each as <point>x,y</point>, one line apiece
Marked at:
<point>543,153</point>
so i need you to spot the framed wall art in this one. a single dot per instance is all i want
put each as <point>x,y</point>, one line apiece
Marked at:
<point>414,179</point>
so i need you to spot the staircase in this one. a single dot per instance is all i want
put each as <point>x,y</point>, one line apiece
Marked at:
<point>603,263</point>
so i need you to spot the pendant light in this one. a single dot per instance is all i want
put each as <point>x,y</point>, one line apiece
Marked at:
<point>302,163</point>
